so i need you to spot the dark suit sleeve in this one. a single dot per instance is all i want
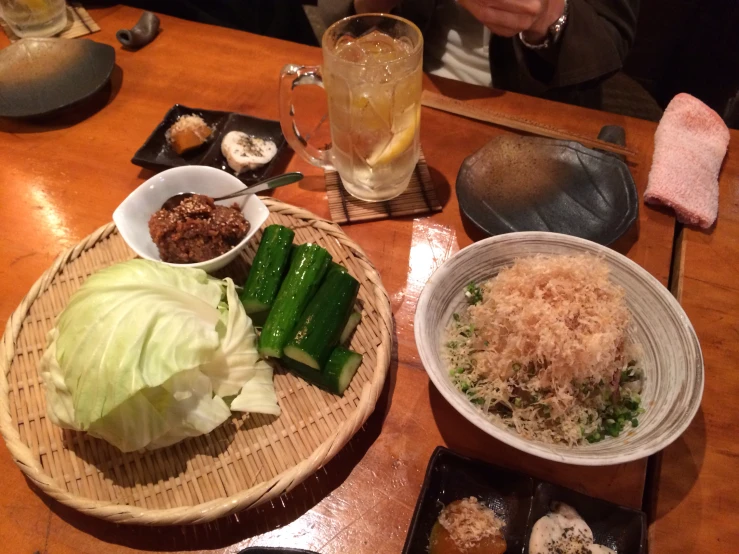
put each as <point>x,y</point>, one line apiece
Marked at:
<point>333,10</point>
<point>593,45</point>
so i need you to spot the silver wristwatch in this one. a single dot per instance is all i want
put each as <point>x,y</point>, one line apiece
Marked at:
<point>554,33</point>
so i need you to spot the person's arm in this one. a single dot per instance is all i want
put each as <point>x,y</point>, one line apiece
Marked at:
<point>594,42</point>
<point>333,10</point>
<point>507,18</point>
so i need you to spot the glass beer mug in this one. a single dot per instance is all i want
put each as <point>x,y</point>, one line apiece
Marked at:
<point>372,74</point>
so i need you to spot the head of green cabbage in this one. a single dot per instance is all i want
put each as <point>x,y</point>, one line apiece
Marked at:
<point>145,355</point>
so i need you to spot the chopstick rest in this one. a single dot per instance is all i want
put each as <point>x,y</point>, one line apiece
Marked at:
<point>140,34</point>
<point>689,145</point>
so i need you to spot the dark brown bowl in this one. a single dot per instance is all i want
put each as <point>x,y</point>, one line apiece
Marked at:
<point>39,76</point>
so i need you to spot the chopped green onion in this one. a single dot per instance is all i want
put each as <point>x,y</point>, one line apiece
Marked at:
<point>473,293</point>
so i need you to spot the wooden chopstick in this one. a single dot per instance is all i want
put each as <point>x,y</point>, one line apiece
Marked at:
<point>459,107</point>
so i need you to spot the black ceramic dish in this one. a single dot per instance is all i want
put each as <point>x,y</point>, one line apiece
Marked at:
<point>156,153</point>
<point>451,477</point>
<point>519,500</point>
<point>537,184</point>
<point>39,76</point>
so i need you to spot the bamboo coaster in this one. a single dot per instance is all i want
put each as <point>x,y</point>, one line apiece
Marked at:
<point>79,23</point>
<point>419,198</point>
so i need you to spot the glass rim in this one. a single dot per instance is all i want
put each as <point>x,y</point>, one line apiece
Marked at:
<point>408,55</point>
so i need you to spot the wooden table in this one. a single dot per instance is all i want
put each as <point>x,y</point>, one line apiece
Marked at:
<point>60,181</point>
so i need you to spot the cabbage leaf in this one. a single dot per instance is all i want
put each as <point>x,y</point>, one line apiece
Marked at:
<point>144,353</point>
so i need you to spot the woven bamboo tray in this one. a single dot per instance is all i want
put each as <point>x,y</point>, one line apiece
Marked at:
<point>247,461</point>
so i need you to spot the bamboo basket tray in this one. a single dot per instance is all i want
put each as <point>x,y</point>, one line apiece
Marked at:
<point>247,461</point>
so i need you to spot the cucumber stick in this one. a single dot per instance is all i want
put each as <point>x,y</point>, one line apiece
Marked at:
<point>335,377</point>
<point>307,269</point>
<point>267,271</point>
<point>320,326</point>
<point>337,267</point>
<point>354,318</point>
<point>340,368</point>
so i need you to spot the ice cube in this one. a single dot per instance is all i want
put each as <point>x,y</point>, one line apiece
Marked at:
<point>403,44</point>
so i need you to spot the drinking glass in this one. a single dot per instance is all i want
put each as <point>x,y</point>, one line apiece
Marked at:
<point>34,18</point>
<point>372,76</point>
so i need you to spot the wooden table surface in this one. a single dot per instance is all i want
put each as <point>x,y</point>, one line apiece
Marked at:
<point>59,181</point>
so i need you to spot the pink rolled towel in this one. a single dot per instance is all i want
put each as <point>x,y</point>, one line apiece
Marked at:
<point>689,146</point>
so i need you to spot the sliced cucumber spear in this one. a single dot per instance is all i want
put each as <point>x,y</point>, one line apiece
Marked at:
<point>320,326</point>
<point>267,271</point>
<point>354,318</point>
<point>307,269</point>
<point>335,377</point>
<point>338,267</point>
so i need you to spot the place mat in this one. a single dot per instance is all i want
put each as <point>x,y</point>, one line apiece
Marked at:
<point>249,460</point>
<point>79,23</point>
<point>419,198</point>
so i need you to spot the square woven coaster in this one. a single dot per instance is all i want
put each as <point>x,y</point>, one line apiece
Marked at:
<point>79,23</point>
<point>419,198</point>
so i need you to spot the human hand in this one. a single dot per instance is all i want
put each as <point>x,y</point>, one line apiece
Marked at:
<point>507,18</point>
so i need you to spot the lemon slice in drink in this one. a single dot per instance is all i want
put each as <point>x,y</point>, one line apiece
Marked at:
<point>397,145</point>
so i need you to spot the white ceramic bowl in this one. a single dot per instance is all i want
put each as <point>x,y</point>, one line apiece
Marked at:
<point>132,216</point>
<point>673,362</point>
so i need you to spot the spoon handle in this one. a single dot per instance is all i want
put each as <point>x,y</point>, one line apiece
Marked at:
<point>271,183</point>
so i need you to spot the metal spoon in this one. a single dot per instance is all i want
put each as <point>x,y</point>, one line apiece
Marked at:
<point>271,183</point>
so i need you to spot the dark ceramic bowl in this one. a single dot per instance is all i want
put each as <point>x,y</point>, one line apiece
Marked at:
<point>519,500</point>
<point>39,76</point>
<point>537,184</point>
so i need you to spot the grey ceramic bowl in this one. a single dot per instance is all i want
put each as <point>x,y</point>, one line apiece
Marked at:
<point>672,361</point>
<point>39,76</point>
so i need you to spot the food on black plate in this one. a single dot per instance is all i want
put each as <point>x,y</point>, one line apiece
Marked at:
<point>467,527</point>
<point>563,531</point>
<point>244,152</point>
<point>544,348</point>
<point>197,230</point>
<point>188,133</point>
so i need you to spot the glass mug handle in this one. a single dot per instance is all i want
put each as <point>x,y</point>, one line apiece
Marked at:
<point>291,77</point>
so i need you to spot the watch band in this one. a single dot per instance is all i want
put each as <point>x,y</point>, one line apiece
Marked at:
<point>553,33</point>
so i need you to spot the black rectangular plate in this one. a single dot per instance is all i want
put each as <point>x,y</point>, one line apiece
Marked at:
<point>452,477</point>
<point>156,153</point>
<point>519,500</point>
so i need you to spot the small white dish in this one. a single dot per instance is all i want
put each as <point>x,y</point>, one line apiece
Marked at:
<point>672,360</point>
<point>132,216</point>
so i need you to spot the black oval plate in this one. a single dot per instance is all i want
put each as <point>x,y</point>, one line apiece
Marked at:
<point>39,76</point>
<point>538,184</point>
<point>519,500</point>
